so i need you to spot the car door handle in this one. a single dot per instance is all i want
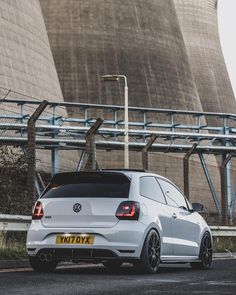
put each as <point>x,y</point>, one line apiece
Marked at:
<point>174,215</point>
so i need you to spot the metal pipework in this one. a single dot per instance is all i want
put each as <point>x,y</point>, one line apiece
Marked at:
<point>117,108</point>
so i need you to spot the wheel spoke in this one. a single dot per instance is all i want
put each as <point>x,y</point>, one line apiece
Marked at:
<point>153,263</point>
<point>156,251</point>
<point>206,251</point>
<point>150,261</point>
<point>153,251</point>
<point>153,240</point>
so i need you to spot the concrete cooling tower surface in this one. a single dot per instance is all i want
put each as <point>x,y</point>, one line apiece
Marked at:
<point>140,39</point>
<point>26,61</point>
<point>198,21</point>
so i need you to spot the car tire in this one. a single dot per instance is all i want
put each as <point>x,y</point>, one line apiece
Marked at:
<point>150,256</point>
<point>113,264</point>
<point>205,253</point>
<point>42,266</point>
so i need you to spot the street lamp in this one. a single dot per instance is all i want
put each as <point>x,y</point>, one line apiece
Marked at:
<point>116,78</point>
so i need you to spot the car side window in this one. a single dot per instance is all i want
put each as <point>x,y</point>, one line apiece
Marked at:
<point>173,195</point>
<point>150,188</point>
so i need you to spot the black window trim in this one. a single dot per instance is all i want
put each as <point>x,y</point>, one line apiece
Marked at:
<point>157,184</point>
<point>171,183</point>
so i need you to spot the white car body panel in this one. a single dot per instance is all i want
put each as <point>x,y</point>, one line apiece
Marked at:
<point>180,237</point>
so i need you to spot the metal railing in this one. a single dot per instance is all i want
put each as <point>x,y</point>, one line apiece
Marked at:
<point>175,131</point>
<point>14,222</point>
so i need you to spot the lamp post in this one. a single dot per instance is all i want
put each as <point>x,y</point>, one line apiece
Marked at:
<point>116,78</point>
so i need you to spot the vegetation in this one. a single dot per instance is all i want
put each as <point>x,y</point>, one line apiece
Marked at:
<point>225,244</point>
<point>12,246</point>
<point>13,199</point>
<point>13,182</point>
<point>17,252</point>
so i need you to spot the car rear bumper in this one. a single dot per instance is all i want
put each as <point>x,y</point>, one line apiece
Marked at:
<point>82,254</point>
<point>124,240</point>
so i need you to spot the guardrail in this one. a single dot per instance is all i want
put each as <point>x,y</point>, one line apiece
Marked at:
<point>14,222</point>
<point>223,231</point>
<point>22,223</point>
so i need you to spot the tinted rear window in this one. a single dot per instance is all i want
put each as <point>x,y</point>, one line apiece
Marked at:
<point>88,185</point>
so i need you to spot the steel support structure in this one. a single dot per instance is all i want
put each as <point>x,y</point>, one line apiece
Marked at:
<point>54,151</point>
<point>42,184</point>
<point>89,161</point>
<point>54,161</point>
<point>210,184</point>
<point>186,170</point>
<point>81,160</point>
<point>174,134</point>
<point>233,204</point>
<point>145,152</point>
<point>224,194</point>
<point>31,146</point>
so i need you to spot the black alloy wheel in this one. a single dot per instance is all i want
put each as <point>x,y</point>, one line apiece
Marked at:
<point>206,253</point>
<point>150,257</point>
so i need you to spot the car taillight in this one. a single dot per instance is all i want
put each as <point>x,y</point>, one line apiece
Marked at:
<point>37,211</point>
<point>128,210</point>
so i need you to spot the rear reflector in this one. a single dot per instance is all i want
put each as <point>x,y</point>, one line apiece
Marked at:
<point>37,211</point>
<point>128,210</point>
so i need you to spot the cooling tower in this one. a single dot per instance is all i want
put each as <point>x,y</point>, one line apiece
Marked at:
<point>26,61</point>
<point>140,39</point>
<point>199,25</point>
<point>136,38</point>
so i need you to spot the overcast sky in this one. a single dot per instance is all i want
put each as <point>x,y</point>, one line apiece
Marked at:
<point>227,27</point>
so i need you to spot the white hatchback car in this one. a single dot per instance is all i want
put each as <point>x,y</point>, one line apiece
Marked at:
<point>113,216</point>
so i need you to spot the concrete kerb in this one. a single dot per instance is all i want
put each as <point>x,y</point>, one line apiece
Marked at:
<point>24,263</point>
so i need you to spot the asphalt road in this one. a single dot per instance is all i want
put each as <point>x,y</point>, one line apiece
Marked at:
<point>172,279</point>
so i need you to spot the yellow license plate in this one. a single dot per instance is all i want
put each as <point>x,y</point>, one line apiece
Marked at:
<point>75,239</point>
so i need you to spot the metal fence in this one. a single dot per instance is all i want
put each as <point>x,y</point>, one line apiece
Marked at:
<point>175,131</point>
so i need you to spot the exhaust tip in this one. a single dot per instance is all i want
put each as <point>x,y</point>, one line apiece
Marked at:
<point>48,257</point>
<point>42,257</point>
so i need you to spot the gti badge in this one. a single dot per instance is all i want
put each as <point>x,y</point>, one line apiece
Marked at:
<point>77,207</point>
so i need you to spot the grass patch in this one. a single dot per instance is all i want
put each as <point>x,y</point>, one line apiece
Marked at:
<point>12,246</point>
<point>15,252</point>
<point>222,244</point>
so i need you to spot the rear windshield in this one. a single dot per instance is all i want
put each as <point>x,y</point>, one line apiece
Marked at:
<point>88,185</point>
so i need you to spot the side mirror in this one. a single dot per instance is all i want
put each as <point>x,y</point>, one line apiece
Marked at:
<point>197,207</point>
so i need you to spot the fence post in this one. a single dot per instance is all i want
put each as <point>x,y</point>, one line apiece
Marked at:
<point>31,157</point>
<point>145,152</point>
<point>88,160</point>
